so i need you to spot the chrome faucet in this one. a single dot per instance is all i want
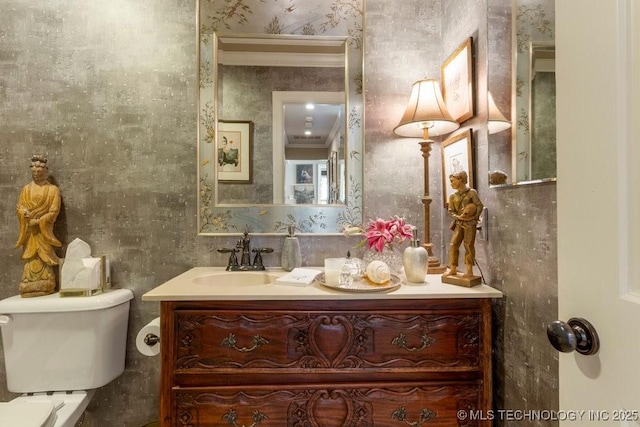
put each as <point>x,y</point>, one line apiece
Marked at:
<point>243,246</point>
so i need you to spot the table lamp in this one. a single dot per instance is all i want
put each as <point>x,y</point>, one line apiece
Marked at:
<point>426,115</point>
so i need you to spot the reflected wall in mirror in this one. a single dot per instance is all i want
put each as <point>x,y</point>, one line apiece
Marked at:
<point>522,83</point>
<point>308,128</point>
<point>250,66</point>
<point>536,104</point>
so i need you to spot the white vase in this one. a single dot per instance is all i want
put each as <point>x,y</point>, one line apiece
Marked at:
<point>416,264</point>
<point>416,260</point>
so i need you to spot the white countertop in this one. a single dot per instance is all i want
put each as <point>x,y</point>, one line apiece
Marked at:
<point>184,288</point>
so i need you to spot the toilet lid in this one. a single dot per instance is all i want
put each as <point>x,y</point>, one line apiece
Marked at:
<point>27,414</point>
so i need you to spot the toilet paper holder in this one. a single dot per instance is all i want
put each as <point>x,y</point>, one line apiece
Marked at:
<point>148,338</point>
<point>151,339</point>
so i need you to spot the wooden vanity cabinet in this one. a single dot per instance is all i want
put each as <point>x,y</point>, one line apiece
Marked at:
<point>325,363</point>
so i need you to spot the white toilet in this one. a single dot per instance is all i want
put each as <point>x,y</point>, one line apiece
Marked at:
<point>57,351</point>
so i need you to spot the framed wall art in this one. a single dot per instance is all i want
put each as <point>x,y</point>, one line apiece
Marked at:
<point>304,194</point>
<point>457,82</point>
<point>456,157</point>
<point>304,174</point>
<point>234,154</point>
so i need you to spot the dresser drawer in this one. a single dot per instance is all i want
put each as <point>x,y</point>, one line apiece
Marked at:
<point>320,341</point>
<point>325,363</point>
<point>392,405</point>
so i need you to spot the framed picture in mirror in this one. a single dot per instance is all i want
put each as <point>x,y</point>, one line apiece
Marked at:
<point>304,194</point>
<point>456,157</point>
<point>234,157</point>
<point>457,82</point>
<point>304,174</point>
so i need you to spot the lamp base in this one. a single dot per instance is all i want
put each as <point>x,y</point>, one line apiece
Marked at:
<point>434,262</point>
<point>435,267</point>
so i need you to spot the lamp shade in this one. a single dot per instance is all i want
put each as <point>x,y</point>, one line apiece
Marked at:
<point>426,109</point>
<point>497,121</point>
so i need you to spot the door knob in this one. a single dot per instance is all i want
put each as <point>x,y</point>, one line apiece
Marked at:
<point>576,334</point>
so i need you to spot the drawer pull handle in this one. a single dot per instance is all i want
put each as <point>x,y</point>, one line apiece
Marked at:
<point>231,417</point>
<point>425,415</point>
<point>401,341</point>
<point>231,342</point>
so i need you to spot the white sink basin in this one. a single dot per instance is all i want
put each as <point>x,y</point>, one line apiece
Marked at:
<point>236,278</point>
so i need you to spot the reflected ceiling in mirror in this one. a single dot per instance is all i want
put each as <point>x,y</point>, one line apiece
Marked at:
<point>240,75</point>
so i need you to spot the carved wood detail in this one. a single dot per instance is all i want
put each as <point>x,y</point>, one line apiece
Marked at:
<point>334,363</point>
<point>327,407</point>
<point>327,341</point>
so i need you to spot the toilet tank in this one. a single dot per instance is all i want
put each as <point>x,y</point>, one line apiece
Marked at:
<point>60,344</point>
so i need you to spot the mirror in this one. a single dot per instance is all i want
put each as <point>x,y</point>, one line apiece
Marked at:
<point>536,140</point>
<point>257,169</point>
<point>522,85</point>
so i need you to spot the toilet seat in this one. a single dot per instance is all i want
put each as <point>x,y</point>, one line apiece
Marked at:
<point>28,414</point>
<point>68,407</point>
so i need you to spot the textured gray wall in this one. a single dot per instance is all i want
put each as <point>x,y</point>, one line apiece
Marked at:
<point>543,129</point>
<point>108,91</point>
<point>499,75</point>
<point>402,44</point>
<point>521,256</point>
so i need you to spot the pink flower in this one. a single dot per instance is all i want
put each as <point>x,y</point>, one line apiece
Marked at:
<point>380,233</point>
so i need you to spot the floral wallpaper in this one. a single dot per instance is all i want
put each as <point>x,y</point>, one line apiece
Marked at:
<point>326,17</point>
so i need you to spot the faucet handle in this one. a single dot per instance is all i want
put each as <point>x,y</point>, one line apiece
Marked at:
<point>233,259</point>
<point>257,261</point>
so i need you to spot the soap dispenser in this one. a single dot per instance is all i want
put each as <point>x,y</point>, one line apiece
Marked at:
<point>415,260</point>
<point>291,257</point>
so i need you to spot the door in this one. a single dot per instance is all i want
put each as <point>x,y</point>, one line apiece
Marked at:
<point>598,112</point>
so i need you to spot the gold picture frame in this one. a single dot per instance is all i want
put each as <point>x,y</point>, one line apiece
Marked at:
<point>456,156</point>
<point>456,74</point>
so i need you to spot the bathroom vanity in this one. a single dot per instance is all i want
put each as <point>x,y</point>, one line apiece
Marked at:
<point>239,350</point>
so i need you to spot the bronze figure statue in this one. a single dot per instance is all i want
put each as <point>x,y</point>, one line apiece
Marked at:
<point>465,208</point>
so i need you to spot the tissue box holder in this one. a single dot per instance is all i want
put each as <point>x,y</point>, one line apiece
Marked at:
<point>104,285</point>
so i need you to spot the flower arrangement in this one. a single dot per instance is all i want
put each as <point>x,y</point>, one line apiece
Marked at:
<point>380,233</point>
